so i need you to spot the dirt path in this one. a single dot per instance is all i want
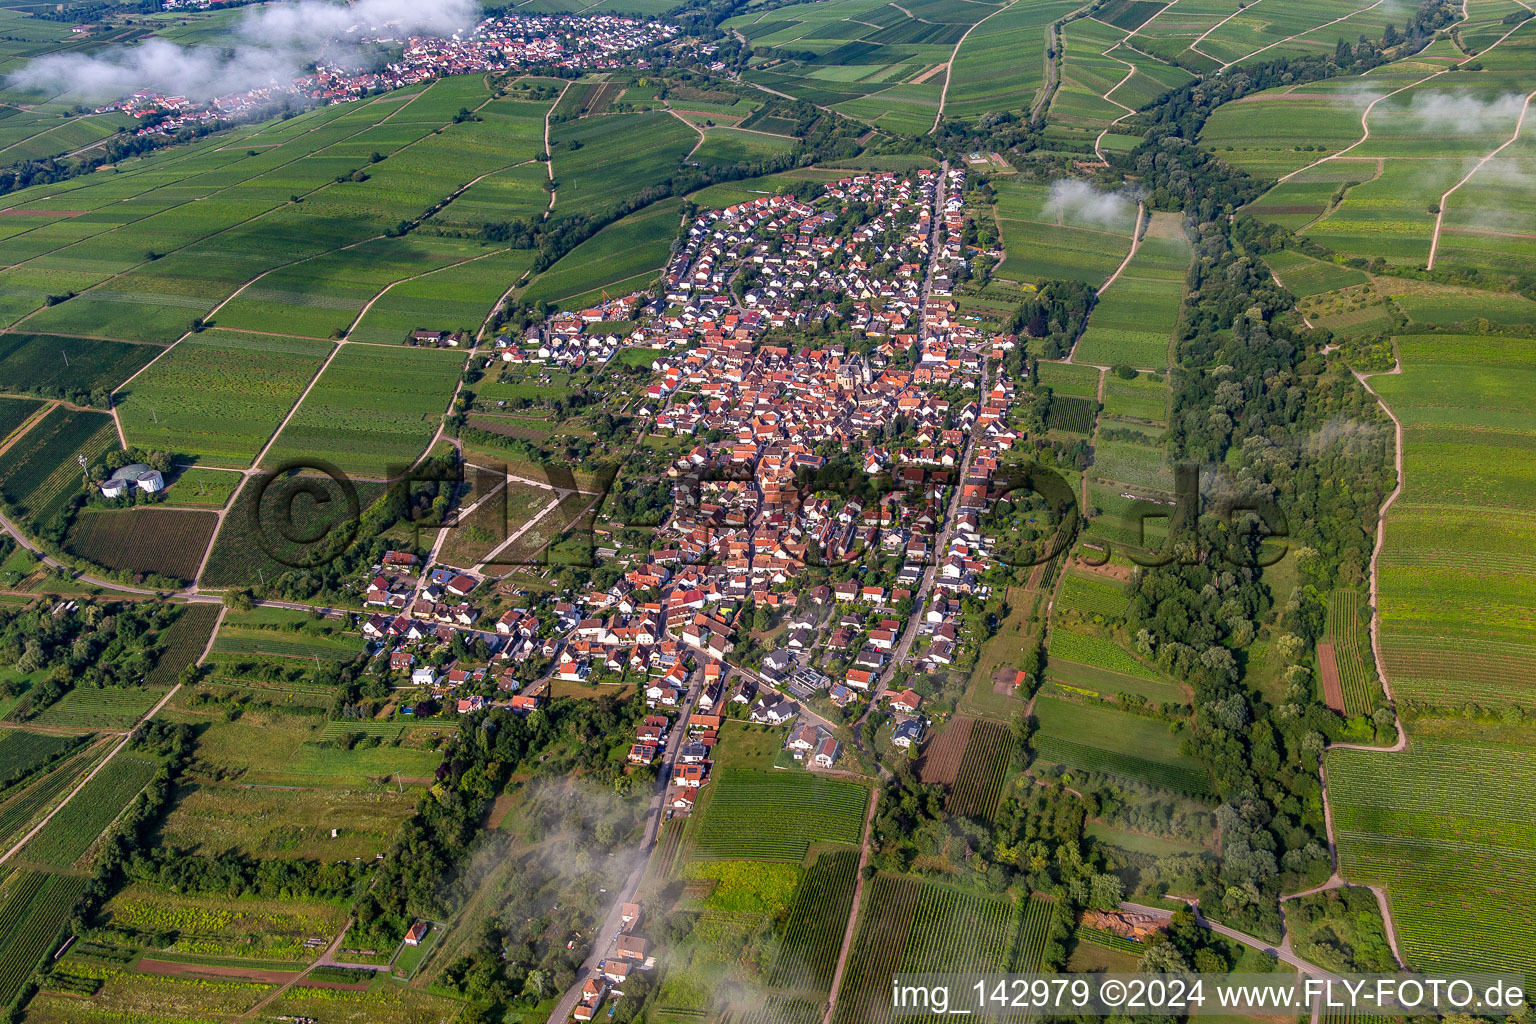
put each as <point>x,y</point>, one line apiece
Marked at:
<point>1136,233</point>
<point>853,918</point>
<point>278,993</point>
<point>1434,242</point>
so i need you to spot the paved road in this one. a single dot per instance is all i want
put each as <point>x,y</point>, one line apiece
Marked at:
<point>608,933</point>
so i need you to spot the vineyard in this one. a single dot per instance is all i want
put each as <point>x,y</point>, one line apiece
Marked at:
<point>782,1010</point>
<point>979,787</point>
<point>182,643</point>
<point>1072,415</point>
<point>23,752</point>
<point>21,808</point>
<point>777,815</point>
<point>910,926</point>
<point>1356,675</point>
<point>1448,828</point>
<point>166,541</point>
<point>109,707</point>
<point>35,908</point>
<point>39,474</point>
<point>812,933</point>
<point>70,833</point>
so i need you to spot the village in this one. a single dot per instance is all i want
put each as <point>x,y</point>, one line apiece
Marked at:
<point>508,42</point>
<point>837,491</point>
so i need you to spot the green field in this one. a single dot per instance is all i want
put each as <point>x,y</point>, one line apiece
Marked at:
<point>72,831</point>
<point>623,257</point>
<point>32,916</point>
<point>219,395</point>
<point>1136,316</point>
<point>910,926</point>
<point>77,368</point>
<point>456,298</point>
<point>1446,827</point>
<point>1103,739</point>
<point>777,815</point>
<point>169,542</point>
<point>38,473</point>
<point>372,412</point>
<point>1456,578</point>
<point>1067,234</point>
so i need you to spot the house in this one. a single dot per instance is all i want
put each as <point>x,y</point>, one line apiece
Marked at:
<point>462,585</point>
<point>777,663</point>
<point>826,753</point>
<point>631,947</point>
<point>908,732</point>
<point>775,713</point>
<point>690,775</point>
<point>629,916</point>
<point>693,752</point>
<point>424,676</point>
<point>642,753</point>
<point>907,701</point>
<point>802,739</point>
<point>616,971</point>
<point>682,799</point>
<point>417,932</point>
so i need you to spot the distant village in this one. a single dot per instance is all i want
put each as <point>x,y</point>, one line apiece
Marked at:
<point>508,42</point>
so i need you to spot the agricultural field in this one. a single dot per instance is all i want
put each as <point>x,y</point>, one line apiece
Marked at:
<point>1099,738</point>
<point>32,918</point>
<point>23,752</point>
<point>169,542</point>
<point>456,298</point>
<point>910,926</point>
<point>1350,648</point>
<point>1087,662</point>
<point>218,926</point>
<point>210,817</point>
<point>14,412</point>
<point>372,412</point>
<point>24,806</point>
<point>812,932</point>
<point>625,256</point>
<point>775,816</point>
<point>1304,276</point>
<point>249,548</point>
<point>182,643</point>
<point>38,472</point>
<point>869,58</point>
<point>110,707</point>
<point>1000,65</point>
<point>1134,320</point>
<point>279,633</point>
<point>268,747</point>
<point>734,145</point>
<point>599,161</point>
<point>1066,235</point>
<point>1456,581</point>
<point>53,366</point>
<point>1092,595</point>
<point>74,829</point>
<point>1446,828</point>
<point>219,395</point>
